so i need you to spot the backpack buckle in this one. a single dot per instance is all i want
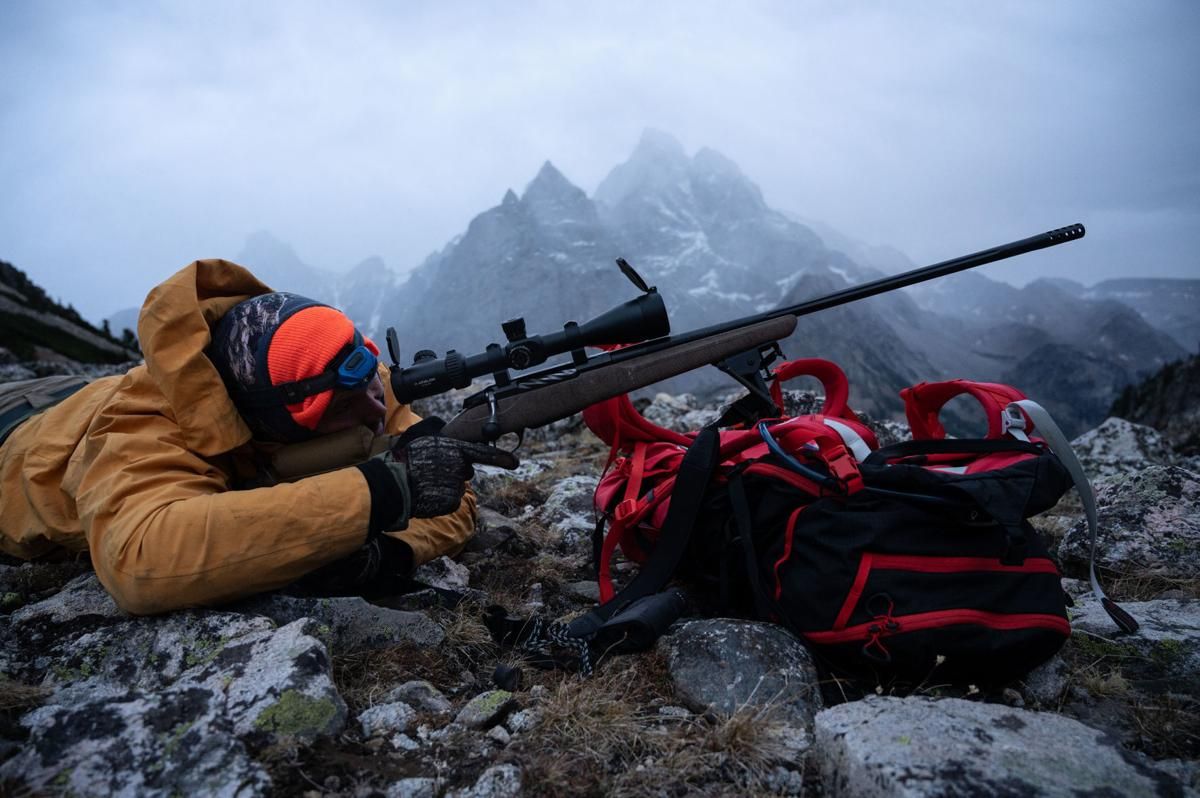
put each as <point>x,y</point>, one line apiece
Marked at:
<point>1012,422</point>
<point>625,509</point>
<point>844,468</point>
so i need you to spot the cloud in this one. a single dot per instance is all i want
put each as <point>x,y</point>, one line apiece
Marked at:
<point>139,136</point>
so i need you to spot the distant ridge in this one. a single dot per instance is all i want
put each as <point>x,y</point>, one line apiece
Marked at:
<point>1168,400</point>
<point>34,327</point>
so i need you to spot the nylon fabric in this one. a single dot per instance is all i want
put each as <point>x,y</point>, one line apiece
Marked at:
<point>932,561</point>
<point>139,470</point>
<point>304,346</point>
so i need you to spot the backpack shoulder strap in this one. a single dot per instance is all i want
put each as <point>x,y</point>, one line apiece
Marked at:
<point>1049,431</point>
<point>695,472</point>
<point>618,423</point>
<point>833,381</point>
<point>924,402</point>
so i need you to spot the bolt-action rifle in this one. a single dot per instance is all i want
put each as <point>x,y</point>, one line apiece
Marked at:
<point>743,348</point>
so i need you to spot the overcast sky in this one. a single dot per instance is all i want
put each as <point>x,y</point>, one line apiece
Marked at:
<point>136,137</point>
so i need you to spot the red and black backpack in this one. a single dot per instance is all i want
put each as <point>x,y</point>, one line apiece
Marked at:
<point>887,562</point>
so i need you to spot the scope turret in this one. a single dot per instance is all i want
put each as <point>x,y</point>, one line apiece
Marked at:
<point>628,323</point>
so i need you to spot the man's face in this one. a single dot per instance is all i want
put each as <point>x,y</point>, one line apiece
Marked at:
<point>363,407</point>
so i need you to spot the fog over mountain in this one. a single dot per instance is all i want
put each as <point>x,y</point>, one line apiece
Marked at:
<point>700,230</point>
<point>141,136</point>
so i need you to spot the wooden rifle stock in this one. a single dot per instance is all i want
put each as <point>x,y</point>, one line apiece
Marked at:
<point>557,399</point>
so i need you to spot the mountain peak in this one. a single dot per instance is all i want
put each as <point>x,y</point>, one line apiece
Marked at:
<point>550,196</point>
<point>656,144</point>
<point>720,186</point>
<point>262,245</point>
<point>548,182</point>
<point>658,162</point>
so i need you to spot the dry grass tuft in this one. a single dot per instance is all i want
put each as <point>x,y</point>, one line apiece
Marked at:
<point>590,729</point>
<point>468,640</point>
<point>511,496</point>
<point>1169,726</point>
<point>508,581</point>
<point>1108,684</point>
<point>605,736</point>
<point>17,696</point>
<point>1148,586</point>
<point>363,677</point>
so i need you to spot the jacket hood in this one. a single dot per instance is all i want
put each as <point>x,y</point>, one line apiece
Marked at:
<point>174,328</point>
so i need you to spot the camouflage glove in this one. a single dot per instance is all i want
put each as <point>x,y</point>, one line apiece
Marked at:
<point>438,470</point>
<point>423,476</point>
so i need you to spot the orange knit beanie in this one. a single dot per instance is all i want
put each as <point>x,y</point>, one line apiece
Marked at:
<point>303,346</point>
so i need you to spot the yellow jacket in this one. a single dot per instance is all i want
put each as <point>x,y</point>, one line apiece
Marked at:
<point>139,471</point>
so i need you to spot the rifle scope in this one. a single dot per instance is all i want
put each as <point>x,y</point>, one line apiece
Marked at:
<point>628,323</point>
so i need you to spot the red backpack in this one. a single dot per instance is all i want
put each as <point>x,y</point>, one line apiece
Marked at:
<point>887,562</point>
<point>634,494</point>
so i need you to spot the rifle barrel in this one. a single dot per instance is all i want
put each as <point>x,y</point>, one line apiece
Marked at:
<point>560,373</point>
<point>885,284</point>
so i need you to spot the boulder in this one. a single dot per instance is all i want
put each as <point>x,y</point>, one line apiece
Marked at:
<point>917,746</point>
<point>492,529</point>
<point>422,695</point>
<point>413,788</point>
<point>500,781</point>
<point>486,709</point>
<point>489,479</point>
<point>350,623</point>
<point>725,666</point>
<point>33,581</point>
<point>176,742</point>
<point>443,573</point>
<point>82,601</point>
<point>1165,650</point>
<point>1046,684</point>
<point>162,706</point>
<point>1119,447</point>
<point>568,511</point>
<point>1149,526</point>
<point>681,413</point>
<point>391,718</point>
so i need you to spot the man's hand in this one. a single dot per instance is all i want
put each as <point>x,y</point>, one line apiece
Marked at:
<point>438,469</point>
<point>423,476</point>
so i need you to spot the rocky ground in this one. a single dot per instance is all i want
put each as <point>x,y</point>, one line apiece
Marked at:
<point>403,696</point>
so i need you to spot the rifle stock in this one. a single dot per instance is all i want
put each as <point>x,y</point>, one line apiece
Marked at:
<point>555,400</point>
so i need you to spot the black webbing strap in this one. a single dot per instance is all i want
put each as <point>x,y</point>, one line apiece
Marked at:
<point>741,516</point>
<point>695,472</point>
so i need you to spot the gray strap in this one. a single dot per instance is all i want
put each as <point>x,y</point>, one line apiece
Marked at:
<point>1054,437</point>
<point>853,441</point>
